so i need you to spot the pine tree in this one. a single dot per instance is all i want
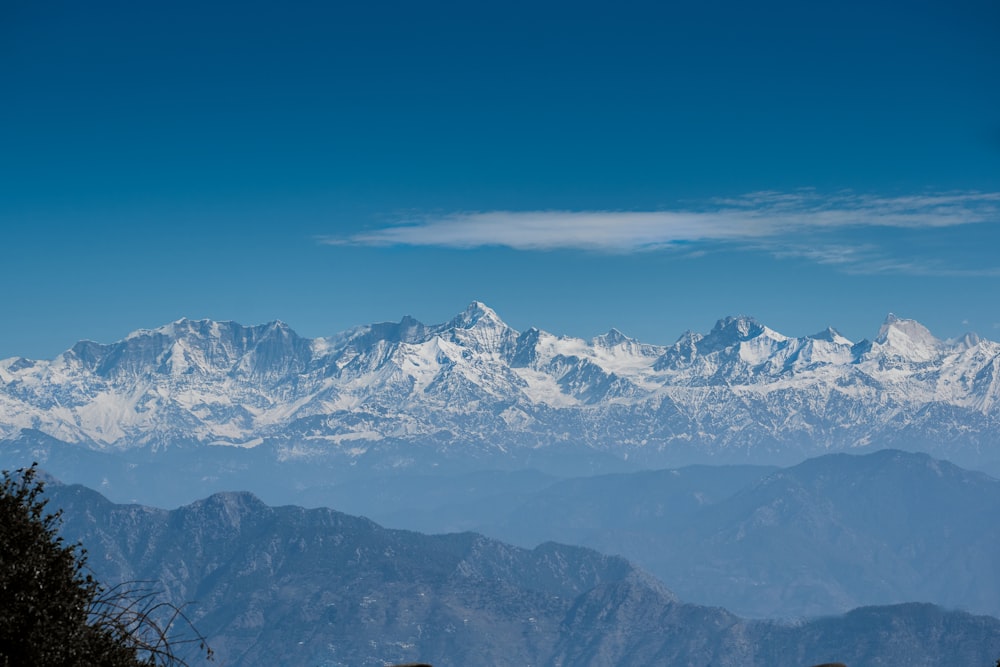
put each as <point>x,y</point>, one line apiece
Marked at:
<point>52,612</point>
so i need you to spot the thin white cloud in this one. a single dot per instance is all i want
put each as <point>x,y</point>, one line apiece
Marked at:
<point>614,231</point>
<point>759,217</point>
<point>869,259</point>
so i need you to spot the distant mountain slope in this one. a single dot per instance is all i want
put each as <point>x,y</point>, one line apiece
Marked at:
<point>827,535</point>
<point>473,388</point>
<point>315,587</point>
<point>839,531</point>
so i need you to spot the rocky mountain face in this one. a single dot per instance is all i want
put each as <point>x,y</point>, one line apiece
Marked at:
<point>473,388</point>
<point>292,586</point>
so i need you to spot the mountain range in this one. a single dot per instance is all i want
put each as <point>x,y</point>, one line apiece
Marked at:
<point>286,585</point>
<point>827,535</point>
<point>531,437</point>
<point>476,391</point>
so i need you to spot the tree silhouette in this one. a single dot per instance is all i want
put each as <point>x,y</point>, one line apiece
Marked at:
<point>52,612</point>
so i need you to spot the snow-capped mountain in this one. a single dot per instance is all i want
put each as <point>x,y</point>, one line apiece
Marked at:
<point>741,390</point>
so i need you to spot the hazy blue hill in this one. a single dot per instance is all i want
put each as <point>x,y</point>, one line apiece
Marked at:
<point>833,533</point>
<point>435,503</point>
<point>842,531</point>
<point>281,585</point>
<point>830,534</point>
<point>913,634</point>
<point>585,510</point>
<point>291,586</point>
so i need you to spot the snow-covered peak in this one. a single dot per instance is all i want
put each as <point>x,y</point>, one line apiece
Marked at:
<point>480,328</point>
<point>612,338</point>
<point>737,344</point>
<point>688,338</point>
<point>682,352</point>
<point>746,325</point>
<point>279,326</point>
<point>188,347</point>
<point>407,330</point>
<point>183,327</point>
<point>831,335</point>
<point>729,332</point>
<point>906,339</point>
<point>476,314</point>
<point>968,341</point>
<point>219,334</point>
<point>742,326</point>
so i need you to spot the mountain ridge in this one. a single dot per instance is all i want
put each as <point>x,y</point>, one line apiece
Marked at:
<point>830,534</point>
<point>291,585</point>
<point>741,392</point>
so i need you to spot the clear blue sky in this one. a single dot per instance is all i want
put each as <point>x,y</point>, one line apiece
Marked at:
<point>577,166</point>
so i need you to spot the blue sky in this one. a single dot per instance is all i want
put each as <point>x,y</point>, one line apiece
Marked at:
<point>577,166</point>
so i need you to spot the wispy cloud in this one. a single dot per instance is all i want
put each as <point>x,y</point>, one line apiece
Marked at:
<point>869,259</point>
<point>761,218</point>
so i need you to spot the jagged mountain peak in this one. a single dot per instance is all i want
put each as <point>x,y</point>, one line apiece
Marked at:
<point>479,327</point>
<point>227,334</point>
<point>689,337</point>
<point>526,349</point>
<point>230,501</point>
<point>407,330</point>
<point>741,341</point>
<point>279,326</point>
<point>476,314</point>
<point>730,331</point>
<point>969,340</point>
<point>742,327</point>
<point>208,328</point>
<point>911,328</point>
<point>203,346</point>
<point>612,338</point>
<point>907,339</point>
<point>185,325</point>
<point>831,335</point>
